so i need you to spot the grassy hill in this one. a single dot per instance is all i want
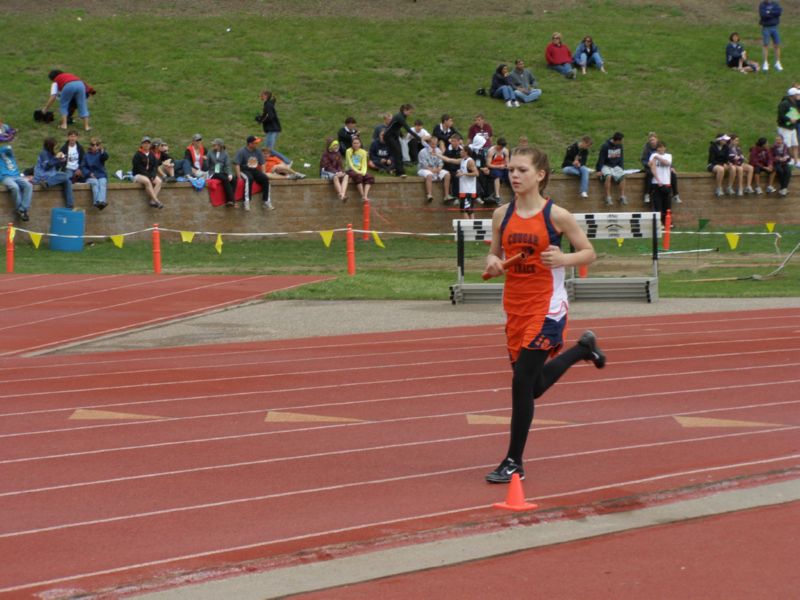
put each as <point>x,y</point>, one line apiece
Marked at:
<point>175,70</point>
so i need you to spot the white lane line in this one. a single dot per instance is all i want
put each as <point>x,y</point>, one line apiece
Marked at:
<point>258,434</point>
<point>338,370</point>
<point>51,284</point>
<point>387,522</point>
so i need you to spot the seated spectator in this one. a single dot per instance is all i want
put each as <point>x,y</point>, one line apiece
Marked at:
<point>660,166</point>
<point>497,159</point>
<point>574,163</point>
<point>248,164</point>
<point>166,164</point>
<point>74,152</point>
<point>647,152</point>
<point>356,163</point>
<point>431,167</point>
<point>413,144</point>
<point>194,158</point>
<point>220,168</point>
<point>480,126</point>
<point>18,186</point>
<point>376,131</point>
<point>611,165</point>
<point>782,163</point>
<point>502,88</point>
<point>718,160</point>
<point>145,171</point>
<point>331,168</point>
<point>379,158</point>
<point>485,186</point>
<point>522,141</point>
<point>586,54</point>
<point>740,170</point>
<point>48,171</point>
<point>94,169</point>
<point>276,168</point>
<point>444,130</point>
<point>346,134</point>
<point>761,160</point>
<point>452,161</point>
<point>7,133</point>
<point>524,83</point>
<point>559,58</point>
<point>736,57</point>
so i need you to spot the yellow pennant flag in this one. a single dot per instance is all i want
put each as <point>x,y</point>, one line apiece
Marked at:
<point>12,232</point>
<point>36,238</point>
<point>733,240</point>
<point>377,239</point>
<point>620,242</point>
<point>118,240</point>
<point>187,236</point>
<point>327,238</point>
<point>770,227</point>
<point>218,245</point>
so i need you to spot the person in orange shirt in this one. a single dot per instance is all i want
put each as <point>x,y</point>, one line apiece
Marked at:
<point>534,296</point>
<point>275,168</point>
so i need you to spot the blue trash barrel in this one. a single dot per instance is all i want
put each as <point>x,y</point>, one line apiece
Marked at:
<point>64,221</point>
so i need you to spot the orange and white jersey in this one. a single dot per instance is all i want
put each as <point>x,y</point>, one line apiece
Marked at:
<point>531,288</point>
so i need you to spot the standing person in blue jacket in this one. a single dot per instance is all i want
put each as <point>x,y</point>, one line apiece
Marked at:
<point>769,17</point>
<point>48,171</point>
<point>18,186</point>
<point>94,169</point>
<point>611,165</point>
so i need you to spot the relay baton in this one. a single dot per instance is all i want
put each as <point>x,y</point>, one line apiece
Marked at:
<point>507,264</point>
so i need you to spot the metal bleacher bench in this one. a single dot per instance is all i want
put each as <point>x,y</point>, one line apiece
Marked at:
<point>598,226</point>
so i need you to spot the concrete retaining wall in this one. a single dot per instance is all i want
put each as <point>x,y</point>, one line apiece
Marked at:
<point>398,205</point>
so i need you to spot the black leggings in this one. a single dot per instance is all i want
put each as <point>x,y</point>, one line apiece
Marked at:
<point>533,376</point>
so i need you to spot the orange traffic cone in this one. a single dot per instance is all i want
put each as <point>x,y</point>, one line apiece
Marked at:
<point>515,500</point>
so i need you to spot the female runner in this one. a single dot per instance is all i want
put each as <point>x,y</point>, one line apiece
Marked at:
<point>534,296</point>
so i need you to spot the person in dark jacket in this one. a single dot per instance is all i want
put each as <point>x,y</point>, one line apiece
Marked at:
<point>587,53</point>
<point>144,167</point>
<point>379,157</point>
<point>718,160</point>
<point>769,17</point>
<point>269,119</point>
<point>48,171</point>
<point>346,134</point>
<point>93,167</point>
<point>574,163</point>
<point>502,87</point>
<point>736,57</point>
<point>219,168</point>
<point>75,153</point>
<point>392,137</point>
<point>611,165</point>
<point>788,118</point>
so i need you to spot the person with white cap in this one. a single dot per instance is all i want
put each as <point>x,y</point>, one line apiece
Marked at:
<point>788,116</point>
<point>718,160</point>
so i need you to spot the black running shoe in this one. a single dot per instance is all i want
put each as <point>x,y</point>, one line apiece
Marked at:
<point>503,473</point>
<point>589,341</point>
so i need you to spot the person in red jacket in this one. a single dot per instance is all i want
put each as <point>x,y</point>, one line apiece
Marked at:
<point>559,58</point>
<point>67,87</point>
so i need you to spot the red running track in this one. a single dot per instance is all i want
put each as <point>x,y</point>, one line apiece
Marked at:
<point>38,312</point>
<point>208,464</point>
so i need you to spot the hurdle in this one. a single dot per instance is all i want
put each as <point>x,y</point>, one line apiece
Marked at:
<point>634,225</point>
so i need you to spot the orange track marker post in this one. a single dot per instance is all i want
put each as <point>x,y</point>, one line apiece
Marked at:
<point>366,211</point>
<point>515,499</point>
<point>351,251</point>
<point>9,249</point>
<point>667,227</point>
<point>156,249</point>
<point>583,271</point>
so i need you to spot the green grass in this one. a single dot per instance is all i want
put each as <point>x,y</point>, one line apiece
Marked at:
<point>171,75</point>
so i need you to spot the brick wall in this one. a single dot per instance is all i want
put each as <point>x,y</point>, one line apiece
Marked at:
<point>398,205</point>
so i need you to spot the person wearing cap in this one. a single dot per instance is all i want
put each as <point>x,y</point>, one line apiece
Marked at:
<point>145,172</point>
<point>769,17</point>
<point>719,161</point>
<point>195,162</point>
<point>219,168</point>
<point>611,165</point>
<point>331,169</point>
<point>248,162</point>
<point>788,117</point>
